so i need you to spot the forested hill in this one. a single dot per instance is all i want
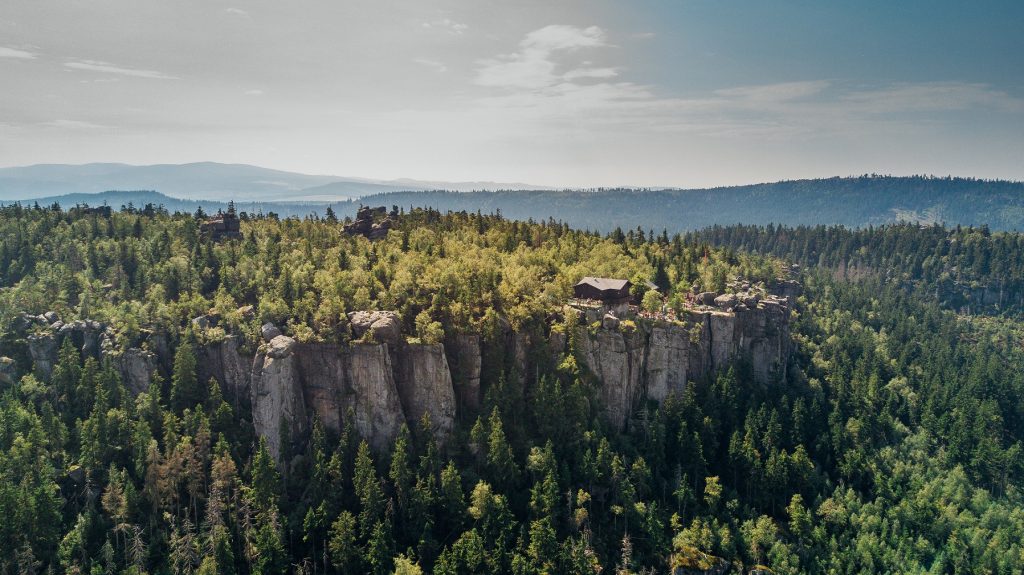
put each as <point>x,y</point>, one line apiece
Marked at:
<point>970,270</point>
<point>852,202</point>
<point>890,442</point>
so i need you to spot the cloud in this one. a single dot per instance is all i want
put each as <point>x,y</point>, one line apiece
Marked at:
<point>931,97</point>
<point>254,92</point>
<point>542,89</point>
<point>16,54</point>
<point>534,65</point>
<point>438,66</point>
<point>446,25</point>
<point>236,12</point>
<point>780,92</point>
<point>72,125</point>
<point>590,73</point>
<point>108,68</point>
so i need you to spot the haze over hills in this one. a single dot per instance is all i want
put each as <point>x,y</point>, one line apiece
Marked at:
<point>206,180</point>
<point>853,202</point>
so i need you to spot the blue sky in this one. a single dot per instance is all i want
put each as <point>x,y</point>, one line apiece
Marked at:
<point>571,93</point>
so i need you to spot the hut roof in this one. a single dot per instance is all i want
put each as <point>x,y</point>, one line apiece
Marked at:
<point>604,283</point>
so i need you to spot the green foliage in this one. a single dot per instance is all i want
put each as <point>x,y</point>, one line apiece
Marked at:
<point>892,442</point>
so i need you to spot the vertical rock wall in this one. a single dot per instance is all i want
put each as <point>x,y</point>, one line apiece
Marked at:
<point>277,393</point>
<point>649,360</point>
<point>425,386</point>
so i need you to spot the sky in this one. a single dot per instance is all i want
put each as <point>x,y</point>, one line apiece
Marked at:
<point>567,93</point>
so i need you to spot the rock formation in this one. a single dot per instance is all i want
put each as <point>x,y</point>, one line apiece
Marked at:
<point>136,367</point>
<point>378,381</point>
<point>648,359</point>
<point>465,362</point>
<point>228,364</point>
<point>364,223</point>
<point>425,386</point>
<point>277,397</point>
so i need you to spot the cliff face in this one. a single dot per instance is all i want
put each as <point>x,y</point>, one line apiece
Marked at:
<point>226,362</point>
<point>382,382</point>
<point>277,393</point>
<point>649,359</point>
<point>425,386</point>
<point>465,361</point>
<point>354,381</point>
<point>379,386</point>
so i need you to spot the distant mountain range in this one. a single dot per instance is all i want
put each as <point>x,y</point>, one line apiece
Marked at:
<point>209,180</point>
<point>853,202</point>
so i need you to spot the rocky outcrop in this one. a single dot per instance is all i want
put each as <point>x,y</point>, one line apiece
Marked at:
<point>364,223</point>
<point>44,344</point>
<point>357,381</point>
<point>226,362</point>
<point>8,371</point>
<point>136,367</point>
<point>378,326</point>
<point>372,395</point>
<point>648,359</point>
<point>277,397</point>
<point>617,360</point>
<point>465,362</point>
<point>425,386</point>
<point>668,360</point>
<point>43,349</point>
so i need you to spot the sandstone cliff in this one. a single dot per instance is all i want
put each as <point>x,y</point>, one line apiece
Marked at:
<point>277,397</point>
<point>648,359</point>
<point>379,382</point>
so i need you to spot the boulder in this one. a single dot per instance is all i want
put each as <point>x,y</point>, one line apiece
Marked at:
<point>706,298</point>
<point>280,347</point>
<point>609,321</point>
<point>269,331</point>
<point>247,312</point>
<point>383,326</point>
<point>51,316</point>
<point>726,301</point>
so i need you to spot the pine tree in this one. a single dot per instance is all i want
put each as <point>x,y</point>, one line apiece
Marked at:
<point>186,391</point>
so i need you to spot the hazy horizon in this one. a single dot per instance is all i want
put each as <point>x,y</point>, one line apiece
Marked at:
<point>570,95</point>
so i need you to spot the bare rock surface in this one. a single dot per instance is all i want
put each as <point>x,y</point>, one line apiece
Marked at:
<point>383,326</point>
<point>425,386</point>
<point>277,394</point>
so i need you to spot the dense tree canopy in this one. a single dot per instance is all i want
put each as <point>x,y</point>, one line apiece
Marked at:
<point>892,444</point>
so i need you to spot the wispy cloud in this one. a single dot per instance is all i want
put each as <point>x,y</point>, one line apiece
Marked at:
<point>72,125</point>
<point>534,65</point>
<point>780,92</point>
<point>14,53</point>
<point>438,66</point>
<point>254,92</point>
<point>108,68</point>
<point>447,25</point>
<point>236,12</point>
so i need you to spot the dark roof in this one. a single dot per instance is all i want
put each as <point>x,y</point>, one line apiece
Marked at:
<point>604,283</point>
